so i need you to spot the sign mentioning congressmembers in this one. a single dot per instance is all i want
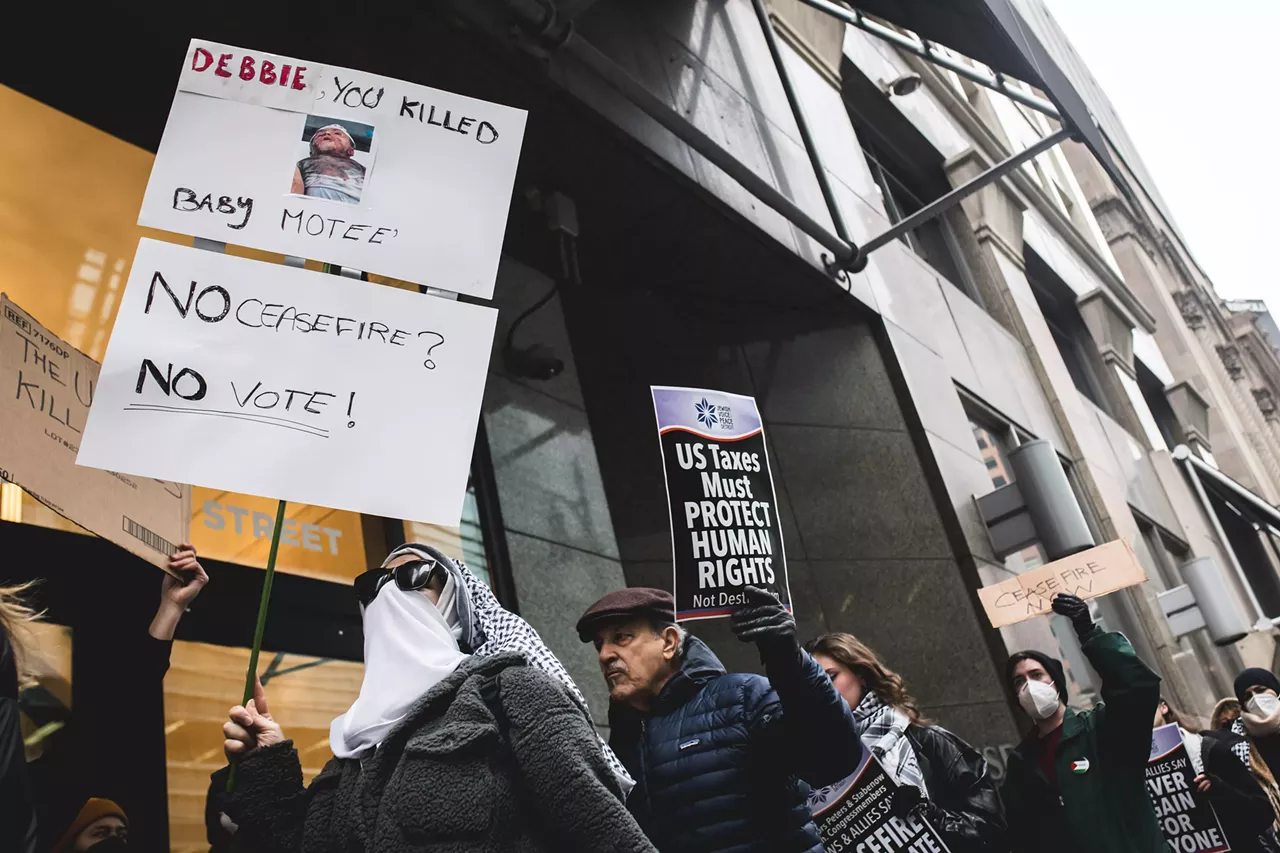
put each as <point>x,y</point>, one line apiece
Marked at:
<point>1088,574</point>
<point>285,383</point>
<point>725,533</point>
<point>337,165</point>
<point>1189,822</point>
<point>868,813</point>
<point>46,388</point>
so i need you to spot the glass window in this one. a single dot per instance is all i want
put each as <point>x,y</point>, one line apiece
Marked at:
<point>204,681</point>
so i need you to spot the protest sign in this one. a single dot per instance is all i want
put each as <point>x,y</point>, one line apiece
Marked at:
<point>725,533</point>
<point>1189,822</point>
<point>46,388</point>
<point>336,165</point>
<point>286,383</point>
<point>868,813</point>
<point>1090,573</point>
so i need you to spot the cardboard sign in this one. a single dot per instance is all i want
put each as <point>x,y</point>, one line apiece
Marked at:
<point>285,383</point>
<point>725,532</point>
<point>868,812</point>
<point>1090,573</point>
<point>336,165</point>
<point>46,387</point>
<point>1189,822</point>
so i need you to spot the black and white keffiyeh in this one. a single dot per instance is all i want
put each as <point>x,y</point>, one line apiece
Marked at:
<point>1240,747</point>
<point>488,628</point>
<point>883,730</point>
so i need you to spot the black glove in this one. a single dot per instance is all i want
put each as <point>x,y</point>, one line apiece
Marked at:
<point>1075,609</point>
<point>932,813</point>
<point>764,621</point>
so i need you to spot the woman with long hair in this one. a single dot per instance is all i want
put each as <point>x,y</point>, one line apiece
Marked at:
<point>1226,717</point>
<point>17,815</point>
<point>1241,804</point>
<point>958,797</point>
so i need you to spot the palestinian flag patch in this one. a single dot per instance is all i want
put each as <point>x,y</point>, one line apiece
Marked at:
<point>1081,766</point>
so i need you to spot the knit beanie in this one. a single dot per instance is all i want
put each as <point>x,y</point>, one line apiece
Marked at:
<point>93,810</point>
<point>1253,677</point>
<point>1053,666</point>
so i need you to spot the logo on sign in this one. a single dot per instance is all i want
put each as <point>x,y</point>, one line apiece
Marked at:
<point>710,415</point>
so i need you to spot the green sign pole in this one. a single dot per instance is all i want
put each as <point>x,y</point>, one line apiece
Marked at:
<point>251,676</point>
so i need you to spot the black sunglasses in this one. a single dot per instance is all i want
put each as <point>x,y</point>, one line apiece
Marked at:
<point>409,576</point>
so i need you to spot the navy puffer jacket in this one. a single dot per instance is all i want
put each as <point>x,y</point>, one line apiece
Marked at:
<point>719,758</point>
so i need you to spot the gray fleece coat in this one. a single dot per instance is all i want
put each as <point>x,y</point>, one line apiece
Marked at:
<point>446,779</point>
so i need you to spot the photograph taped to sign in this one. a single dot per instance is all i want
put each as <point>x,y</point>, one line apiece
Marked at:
<point>1188,821</point>
<point>1088,574</point>
<point>48,388</point>
<point>868,812</point>
<point>430,209</point>
<point>725,533</point>
<point>285,383</point>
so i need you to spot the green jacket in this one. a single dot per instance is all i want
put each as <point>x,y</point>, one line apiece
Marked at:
<point>1104,809</point>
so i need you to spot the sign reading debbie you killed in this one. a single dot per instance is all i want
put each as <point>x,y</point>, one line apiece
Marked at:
<point>725,533</point>
<point>338,165</point>
<point>286,383</point>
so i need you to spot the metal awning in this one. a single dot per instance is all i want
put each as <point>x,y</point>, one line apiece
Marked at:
<point>992,32</point>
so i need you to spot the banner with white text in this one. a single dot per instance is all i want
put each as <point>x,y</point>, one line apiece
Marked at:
<point>725,533</point>
<point>297,385</point>
<point>868,813</point>
<point>336,165</point>
<point>1189,822</point>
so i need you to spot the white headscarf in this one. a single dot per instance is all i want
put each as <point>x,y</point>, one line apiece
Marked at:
<point>409,647</point>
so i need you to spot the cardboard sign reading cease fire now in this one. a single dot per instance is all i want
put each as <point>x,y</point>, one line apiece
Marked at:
<point>1091,573</point>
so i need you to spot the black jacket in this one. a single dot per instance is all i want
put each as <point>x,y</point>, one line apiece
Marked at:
<point>450,778</point>
<point>1243,808</point>
<point>968,812</point>
<point>716,760</point>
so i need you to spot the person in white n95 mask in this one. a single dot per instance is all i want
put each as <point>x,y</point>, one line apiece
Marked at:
<point>1257,690</point>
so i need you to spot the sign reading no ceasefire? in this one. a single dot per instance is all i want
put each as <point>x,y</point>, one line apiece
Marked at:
<point>725,533</point>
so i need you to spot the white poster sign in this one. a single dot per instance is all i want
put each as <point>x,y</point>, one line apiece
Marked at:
<point>281,382</point>
<point>337,165</point>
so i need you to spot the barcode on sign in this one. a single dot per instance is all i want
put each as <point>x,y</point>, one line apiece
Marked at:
<point>146,537</point>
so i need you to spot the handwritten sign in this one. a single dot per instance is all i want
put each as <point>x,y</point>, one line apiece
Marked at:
<point>868,813</point>
<point>46,388</point>
<point>285,383</point>
<point>337,165</point>
<point>725,532</point>
<point>1090,573</point>
<point>1189,822</point>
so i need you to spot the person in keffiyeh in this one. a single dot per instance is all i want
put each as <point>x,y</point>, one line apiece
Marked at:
<point>467,735</point>
<point>957,795</point>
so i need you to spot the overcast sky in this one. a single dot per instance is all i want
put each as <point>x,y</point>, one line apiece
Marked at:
<point>1198,87</point>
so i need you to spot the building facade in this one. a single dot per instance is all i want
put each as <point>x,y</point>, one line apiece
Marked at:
<point>892,396</point>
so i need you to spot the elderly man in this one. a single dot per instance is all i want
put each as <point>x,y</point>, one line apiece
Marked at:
<point>715,755</point>
<point>331,171</point>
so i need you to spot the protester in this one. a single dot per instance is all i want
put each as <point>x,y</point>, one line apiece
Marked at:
<point>66,800</point>
<point>100,826</point>
<point>487,751</point>
<point>17,798</point>
<point>958,797</point>
<point>1078,780</point>
<point>1241,804</point>
<point>1257,691</point>
<point>716,755</point>
<point>1226,715</point>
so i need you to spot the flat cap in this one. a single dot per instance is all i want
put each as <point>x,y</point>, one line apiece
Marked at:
<point>625,603</point>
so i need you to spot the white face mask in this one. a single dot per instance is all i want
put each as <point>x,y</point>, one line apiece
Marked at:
<point>1039,700</point>
<point>1264,704</point>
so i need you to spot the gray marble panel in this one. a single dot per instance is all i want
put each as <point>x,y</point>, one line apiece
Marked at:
<point>933,393</point>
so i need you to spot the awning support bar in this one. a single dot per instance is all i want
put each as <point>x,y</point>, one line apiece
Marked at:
<point>922,49</point>
<point>651,105</point>
<point>1183,454</point>
<point>797,110</point>
<point>933,208</point>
